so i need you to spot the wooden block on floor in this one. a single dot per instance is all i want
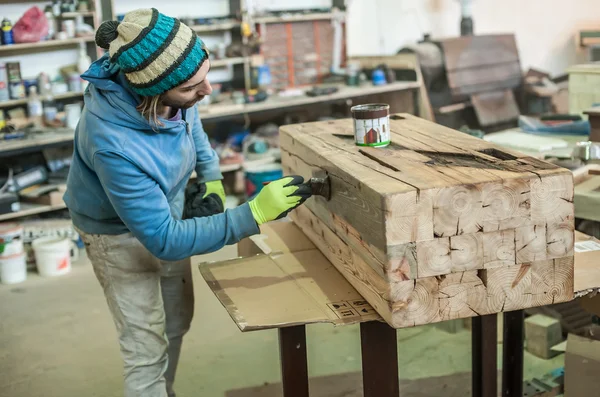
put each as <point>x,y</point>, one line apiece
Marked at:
<point>541,333</point>
<point>451,326</point>
<point>439,225</point>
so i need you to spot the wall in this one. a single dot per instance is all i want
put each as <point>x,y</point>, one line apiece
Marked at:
<point>546,30</point>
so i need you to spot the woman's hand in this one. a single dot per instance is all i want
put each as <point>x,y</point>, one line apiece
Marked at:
<point>278,198</point>
<point>215,187</point>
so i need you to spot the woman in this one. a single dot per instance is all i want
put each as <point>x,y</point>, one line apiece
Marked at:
<point>136,145</point>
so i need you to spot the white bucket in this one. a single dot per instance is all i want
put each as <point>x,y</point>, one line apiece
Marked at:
<point>11,239</point>
<point>52,255</point>
<point>13,269</point>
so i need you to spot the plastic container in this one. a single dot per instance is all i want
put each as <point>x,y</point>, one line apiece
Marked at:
<point>52,255</point>
<point>256,175</point>
<point>13,268</point>
<point>11,239</point>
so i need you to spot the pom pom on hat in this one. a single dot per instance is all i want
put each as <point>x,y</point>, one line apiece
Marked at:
<point>106,34</point>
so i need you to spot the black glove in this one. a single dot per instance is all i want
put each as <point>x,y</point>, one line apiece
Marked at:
<point>196,205</point>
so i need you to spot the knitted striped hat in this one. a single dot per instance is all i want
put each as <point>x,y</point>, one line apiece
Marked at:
<point>155,52</point>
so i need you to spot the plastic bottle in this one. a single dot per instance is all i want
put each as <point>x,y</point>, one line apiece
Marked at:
<point>7,32</point>
<point>83,63</point>
<point>49,106</point>
<point>52,26</point>
<point>34,107</point>
<point>56,8</point>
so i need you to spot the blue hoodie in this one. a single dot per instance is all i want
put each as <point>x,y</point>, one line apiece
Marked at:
<point>126,177</point>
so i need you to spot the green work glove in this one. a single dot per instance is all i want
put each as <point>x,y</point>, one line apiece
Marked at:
<point>278,198</point>
<point>215,187</point>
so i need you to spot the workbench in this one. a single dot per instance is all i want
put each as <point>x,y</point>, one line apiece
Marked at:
<point>282,262</point>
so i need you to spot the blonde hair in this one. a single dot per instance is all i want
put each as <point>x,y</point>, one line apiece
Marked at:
<point>149,109</point>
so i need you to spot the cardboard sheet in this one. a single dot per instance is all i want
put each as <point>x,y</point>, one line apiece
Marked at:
<point>281,279</point>
<point>587,265</point>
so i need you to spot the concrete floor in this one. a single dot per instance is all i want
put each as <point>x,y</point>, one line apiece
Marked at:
<point>57,339</point>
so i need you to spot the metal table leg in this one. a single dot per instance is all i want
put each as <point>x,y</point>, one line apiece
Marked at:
<point>484,342</point>
<point>379,348</point>
<point>294,364</point>
<point>512,361</point>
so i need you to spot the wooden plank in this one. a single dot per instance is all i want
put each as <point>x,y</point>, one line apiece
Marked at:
<point>495,107</point>
<point>362,277</point>
<point>439,211</point>
<point>31,209</point>
<point>277,103</point>
<point>506,205</point>
<point>552,281</point>
<point>49,45</point>
<point>508,288</point>
<point>477,64</point>
<point>499,249</point>
<point>477,51</point>
<point>530,243</point>
<point>552,199</point>
<point>464,82</point>
<point>434,299</point>
<point>541,333</point>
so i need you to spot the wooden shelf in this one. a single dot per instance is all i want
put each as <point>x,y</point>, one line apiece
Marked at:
<point>38,140</point>
<point>276,102</point>
<point>5,49</point>
<point>19,102</point>
<point>31,209</point>
<point>224,169</point>
<point>215,27</point>
<point>295,18</point>
<point>227,61</point>
<point>77,13</point>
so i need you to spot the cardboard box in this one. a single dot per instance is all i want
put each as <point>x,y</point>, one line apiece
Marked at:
<point>281,279</point>
<point>582,366</point>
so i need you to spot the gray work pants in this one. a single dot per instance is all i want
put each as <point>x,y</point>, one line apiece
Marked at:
<point>152,304</point>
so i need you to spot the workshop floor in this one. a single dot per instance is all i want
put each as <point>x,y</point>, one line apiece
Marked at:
<point>57,339</point>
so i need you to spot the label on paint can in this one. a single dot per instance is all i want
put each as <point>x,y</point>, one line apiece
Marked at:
<point>371,125</point>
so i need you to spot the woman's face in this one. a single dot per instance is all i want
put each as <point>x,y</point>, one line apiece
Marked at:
<point>191,92</point>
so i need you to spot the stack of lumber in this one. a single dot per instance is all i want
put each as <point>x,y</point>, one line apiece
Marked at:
<point>439,225</point>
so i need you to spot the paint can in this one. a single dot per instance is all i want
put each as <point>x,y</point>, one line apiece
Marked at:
<point>53,255</point>
<point>11,239</point>
<point>371,124</point>
<point>13,268</point>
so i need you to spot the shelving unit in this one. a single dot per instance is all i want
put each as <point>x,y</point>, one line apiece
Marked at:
<point>216,27</point>
<point>19,102</point>
<point>295,18</point>
<point>37,141</point>
<point>50,44</point>
<point>78,13</point>
<point>212,112</point>
<point>228,61</point>
<point>273,103</point>
<point>31,209</point>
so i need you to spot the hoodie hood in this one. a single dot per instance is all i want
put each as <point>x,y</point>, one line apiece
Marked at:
<point>109,97</point>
